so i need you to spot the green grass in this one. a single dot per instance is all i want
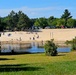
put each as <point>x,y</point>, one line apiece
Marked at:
<point>38,64</point>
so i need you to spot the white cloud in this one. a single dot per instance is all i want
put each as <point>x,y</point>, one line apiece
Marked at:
<point>31,12</point>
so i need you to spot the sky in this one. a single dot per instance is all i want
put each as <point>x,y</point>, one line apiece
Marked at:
<point>38,8</point>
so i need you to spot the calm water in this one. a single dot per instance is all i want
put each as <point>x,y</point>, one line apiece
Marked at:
<point>31,48</point>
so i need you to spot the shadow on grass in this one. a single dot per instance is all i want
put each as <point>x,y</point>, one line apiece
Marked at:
<point>18,67</point>
<point>6,59</point>
<point>21,53</point>
<point>15,53</point>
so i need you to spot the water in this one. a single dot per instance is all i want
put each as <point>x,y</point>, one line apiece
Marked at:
<point>21,48</point>
<point>64,49</point>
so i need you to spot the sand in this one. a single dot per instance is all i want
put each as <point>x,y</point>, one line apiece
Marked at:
<point>41,35</point>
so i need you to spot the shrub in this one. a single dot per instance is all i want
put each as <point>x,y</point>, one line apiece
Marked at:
<point>72,43</point>
<point>50,48</point>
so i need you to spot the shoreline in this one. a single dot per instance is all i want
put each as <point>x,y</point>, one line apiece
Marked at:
<point>61,42</point>
<point>41,43</point>
<point>59,35</point>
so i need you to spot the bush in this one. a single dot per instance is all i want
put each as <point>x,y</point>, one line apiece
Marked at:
<point>50,48</point>
<point>72,43</point>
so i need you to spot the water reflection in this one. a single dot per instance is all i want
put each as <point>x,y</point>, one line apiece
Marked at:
<point>19,47</point>
<point>33,47</point>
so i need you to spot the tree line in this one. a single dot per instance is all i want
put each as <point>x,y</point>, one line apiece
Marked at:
<point>18,21</point>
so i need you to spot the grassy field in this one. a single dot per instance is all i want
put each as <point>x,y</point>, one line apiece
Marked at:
<point>38,64</point>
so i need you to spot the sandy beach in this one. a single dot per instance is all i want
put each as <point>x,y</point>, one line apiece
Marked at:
<point>41,35</point>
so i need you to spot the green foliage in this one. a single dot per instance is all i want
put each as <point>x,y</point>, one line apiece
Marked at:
<point>66,16</point>
<point>23,22</point>
<point>41,22</point>
<point>52,21</point>
<point>50,48</point>
<point>71,23</point>
<point>17,21</point>
<point>20,21</point>
<point>2,24</point>
<point>60,22</point>
<point>72,43</point>
<point>32,21</point>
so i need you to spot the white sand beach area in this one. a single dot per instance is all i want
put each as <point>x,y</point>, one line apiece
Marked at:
<point>41,35</point>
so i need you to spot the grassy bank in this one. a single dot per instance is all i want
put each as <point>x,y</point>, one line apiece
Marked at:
<point>38,64</point>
